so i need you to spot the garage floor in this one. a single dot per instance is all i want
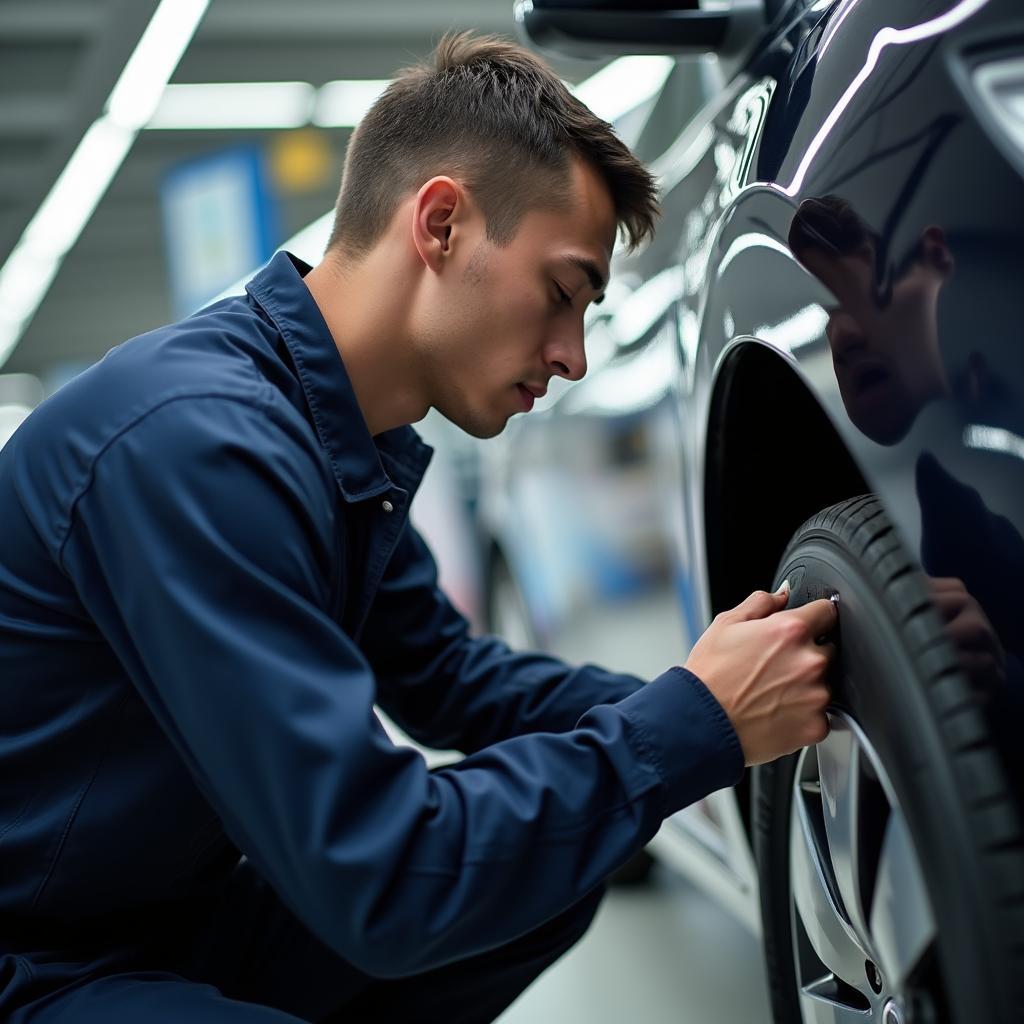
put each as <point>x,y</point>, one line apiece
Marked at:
<point>657,954</point>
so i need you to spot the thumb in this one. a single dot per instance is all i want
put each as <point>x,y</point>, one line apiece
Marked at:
<point>761,604</point>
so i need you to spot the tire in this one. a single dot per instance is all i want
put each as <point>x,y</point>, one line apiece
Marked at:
<point>910,880</point>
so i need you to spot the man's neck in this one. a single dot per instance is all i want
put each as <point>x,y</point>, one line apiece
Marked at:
<point>358,304</point>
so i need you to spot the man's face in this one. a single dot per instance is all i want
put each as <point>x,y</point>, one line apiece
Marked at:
<point>885,355</point>
<point>502,320</point>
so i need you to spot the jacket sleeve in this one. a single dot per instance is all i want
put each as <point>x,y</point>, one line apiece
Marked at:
<point>450,690</point>
<point>197,548</point>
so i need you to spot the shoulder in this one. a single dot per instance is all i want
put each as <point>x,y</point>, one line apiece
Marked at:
<point>222,355</point>
<point>215,352</point>
<point>186,402</point>
<point>202,470</point>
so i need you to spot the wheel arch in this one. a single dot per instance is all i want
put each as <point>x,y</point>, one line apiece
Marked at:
<point>763,417</point>
<point>772,459</point>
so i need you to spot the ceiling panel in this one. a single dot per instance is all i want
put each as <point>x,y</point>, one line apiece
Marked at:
<point>60,58</point>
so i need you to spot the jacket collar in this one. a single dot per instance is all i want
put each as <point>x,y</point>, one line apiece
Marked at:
<point>357,459</point>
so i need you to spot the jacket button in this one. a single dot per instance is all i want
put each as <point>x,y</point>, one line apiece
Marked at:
<point>388,507</point>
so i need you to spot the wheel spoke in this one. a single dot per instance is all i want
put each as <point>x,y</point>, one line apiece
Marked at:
<point>830,936</point>
<point>902,926</point>
<point>839,774</point>
<point>817,1006</point>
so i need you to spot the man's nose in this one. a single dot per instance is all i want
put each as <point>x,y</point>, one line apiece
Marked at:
<point>845,337</point>
<point>565,356</point>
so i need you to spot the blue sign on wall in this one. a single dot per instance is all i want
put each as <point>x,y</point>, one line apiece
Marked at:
<point>218,223</point>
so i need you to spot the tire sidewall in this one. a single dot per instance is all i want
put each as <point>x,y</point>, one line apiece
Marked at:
<point>881,685</point>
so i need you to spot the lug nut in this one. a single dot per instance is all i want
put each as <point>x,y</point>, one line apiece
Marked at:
<point>891,1013</point>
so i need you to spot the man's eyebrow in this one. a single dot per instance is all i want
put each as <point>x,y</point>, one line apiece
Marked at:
<point>594,275</point>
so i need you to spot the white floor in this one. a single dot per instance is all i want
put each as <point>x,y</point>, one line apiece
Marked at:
<point>658,954</point>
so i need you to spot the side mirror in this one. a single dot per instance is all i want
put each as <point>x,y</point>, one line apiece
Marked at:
<point>597,28</point>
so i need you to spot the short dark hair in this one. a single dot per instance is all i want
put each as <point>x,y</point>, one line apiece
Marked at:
<point>831,225</point>
<point>493,114</point>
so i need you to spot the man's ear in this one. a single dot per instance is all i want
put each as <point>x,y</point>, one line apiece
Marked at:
<point>437,207</point>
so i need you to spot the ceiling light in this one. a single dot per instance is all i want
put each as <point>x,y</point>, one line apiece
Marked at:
<point>137,92</point>
<point>27,273</point>
<point>804,327</point>
<point>66,210</point>
<point>343,104</point>
<point>993,439</point>
<point>1000,84</point>
<point>227,105</point>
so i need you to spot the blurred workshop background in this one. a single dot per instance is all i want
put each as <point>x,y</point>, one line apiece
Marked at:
<point>152,156</point>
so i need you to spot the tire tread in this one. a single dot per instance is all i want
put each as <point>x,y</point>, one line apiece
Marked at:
<point>987,799</point>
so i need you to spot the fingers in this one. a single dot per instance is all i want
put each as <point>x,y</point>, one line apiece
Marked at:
<point>818,665</point>
<point>945,584</point>
<point>949,603</point>
<point>819,730</point>
<point>820,617</point>
<point>761,604</point>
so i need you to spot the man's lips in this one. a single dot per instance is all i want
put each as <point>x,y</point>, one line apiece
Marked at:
<point>528,393</point>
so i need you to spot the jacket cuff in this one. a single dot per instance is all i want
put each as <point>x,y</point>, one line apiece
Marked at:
<point>677,722</point>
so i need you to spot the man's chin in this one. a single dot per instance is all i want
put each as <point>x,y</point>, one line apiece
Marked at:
<point>481,427</point>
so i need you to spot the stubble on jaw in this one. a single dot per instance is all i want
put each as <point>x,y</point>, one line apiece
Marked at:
<point>475,272</point>
<point>457,408</point>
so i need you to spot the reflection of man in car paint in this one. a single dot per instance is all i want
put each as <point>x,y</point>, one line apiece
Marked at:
<point>884,342</point>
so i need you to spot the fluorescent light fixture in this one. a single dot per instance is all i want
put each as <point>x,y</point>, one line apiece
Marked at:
<point>137,92</point>
<point>343,104</point>
<point>802,328</point>
<point>226,105</point>
<point>27,273</point>
<point>24,273</point>
<point>1001,85</point>
<point>66,210</point>
<point>624,84</point>
<point>638,382</point>
<point>646,306</point>
<point>749,240</point>
<point>993,439</point>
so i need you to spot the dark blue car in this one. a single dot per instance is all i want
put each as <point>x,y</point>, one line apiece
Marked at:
<point>814,372</point>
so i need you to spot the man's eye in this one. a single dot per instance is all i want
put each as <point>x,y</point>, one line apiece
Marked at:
<point>563,296</point>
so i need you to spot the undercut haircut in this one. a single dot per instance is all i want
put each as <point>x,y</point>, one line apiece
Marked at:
<point>493,116</point>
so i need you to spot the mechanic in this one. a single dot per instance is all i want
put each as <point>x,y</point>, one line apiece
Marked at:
<point>207,580</point>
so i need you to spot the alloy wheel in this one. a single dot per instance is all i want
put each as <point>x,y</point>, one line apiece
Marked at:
<point>863,925</point>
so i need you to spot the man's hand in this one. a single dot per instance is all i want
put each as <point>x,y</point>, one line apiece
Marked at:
<point>765,668</point>
<point>967,625</point>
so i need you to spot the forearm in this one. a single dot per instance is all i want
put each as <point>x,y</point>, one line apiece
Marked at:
<point>478,692</point>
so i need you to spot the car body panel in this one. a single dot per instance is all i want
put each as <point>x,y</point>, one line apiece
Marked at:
<point>910,347</point>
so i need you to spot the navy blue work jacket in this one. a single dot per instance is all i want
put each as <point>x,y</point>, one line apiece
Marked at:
<point>207,579</point>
